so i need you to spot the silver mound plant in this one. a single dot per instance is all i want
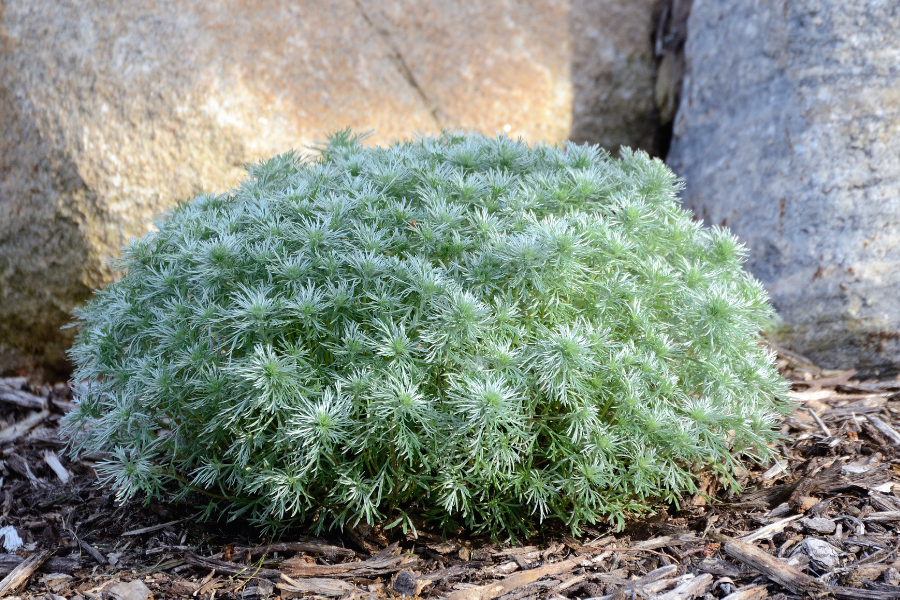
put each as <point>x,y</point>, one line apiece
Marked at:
<point>462,327</point>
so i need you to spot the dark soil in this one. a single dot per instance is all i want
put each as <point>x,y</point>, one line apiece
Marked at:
<point>821,522</point>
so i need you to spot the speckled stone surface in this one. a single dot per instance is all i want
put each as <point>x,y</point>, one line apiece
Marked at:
<point>788,132</point>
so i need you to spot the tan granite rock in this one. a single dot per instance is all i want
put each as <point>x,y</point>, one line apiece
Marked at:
<point>113,110</point>
<point>788,131</point>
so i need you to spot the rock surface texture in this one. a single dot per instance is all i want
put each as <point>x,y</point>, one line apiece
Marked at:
<point>788,132</point>
<point>113,110</point>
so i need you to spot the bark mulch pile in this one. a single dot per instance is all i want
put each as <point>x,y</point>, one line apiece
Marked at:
<point>820,523</point>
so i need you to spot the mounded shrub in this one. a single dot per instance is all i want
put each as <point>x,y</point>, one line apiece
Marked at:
<point>460,327</point>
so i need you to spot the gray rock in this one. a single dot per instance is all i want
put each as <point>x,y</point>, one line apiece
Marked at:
<point>131,590</point>
<point>787,132</point>
<point>822,555</point>
<point>406,584</point>
<point>114,109</point>
<point>261,588</point>
<point>818,525</point>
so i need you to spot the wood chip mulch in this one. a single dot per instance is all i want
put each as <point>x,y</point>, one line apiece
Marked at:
<point>822,522</point>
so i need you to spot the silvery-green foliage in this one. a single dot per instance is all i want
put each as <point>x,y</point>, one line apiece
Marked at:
<point>463,326</point>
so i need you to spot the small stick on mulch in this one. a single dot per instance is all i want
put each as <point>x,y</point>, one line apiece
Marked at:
<point>230,568</point>
<point>159,527</point>
<point>330,552</point>
<point>94,553</point>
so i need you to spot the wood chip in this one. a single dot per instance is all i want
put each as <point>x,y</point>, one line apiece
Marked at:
<point>843,413</point>
<point>207,584</point>
<point>64,405</point>
<point>887,515</point>
<point>722,568</point>
<point>316,586</point>
<point>655,579</point>
<point>820,382</point>
<point>861,574</point>
<point>16,383</point>
<point>753,592</point>
<point>20,466</point>
<point>531,591</point>
<point>775,470</point>
<point>183,589</point>
<point>53,462</point>
<point>600,542</point>
<point>55,564</point>
<point>19,576</point>
<point>12,393</point>
<point>94,553</point>
<point>444,548</point>
<point>502,570</point>
<point>654,575</point>
<point>691,588</point>
<point>569,583</point>
<point>448,573</point>
<point>657,587</point>
<point>815,396</point>
<point>884,429</point>
<point>495,590</point>
<point>514,551</point>
<point>17,430</point>
<point>21,398</point>
<point>770,529</point>
<point>851,593</point>
<point>655,543</point>
<point>773,568</point>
